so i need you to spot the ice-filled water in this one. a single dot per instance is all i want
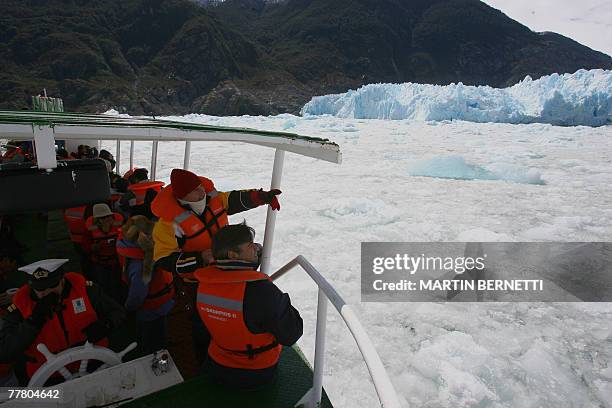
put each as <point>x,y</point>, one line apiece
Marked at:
<point>582,98</point>
<point>494,355</point>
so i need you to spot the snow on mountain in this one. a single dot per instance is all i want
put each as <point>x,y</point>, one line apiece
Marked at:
<point>442,355</point>
<point>588,21</point>
<point>582,98</point>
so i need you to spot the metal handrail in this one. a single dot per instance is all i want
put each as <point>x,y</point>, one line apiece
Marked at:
<point>384,388</point>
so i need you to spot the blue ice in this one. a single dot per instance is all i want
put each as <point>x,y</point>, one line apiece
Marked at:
<point>455,167</point>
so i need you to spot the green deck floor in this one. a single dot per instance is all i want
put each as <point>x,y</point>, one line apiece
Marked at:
<point>294,380</point>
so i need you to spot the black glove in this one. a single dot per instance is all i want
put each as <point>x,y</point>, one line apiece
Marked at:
<point>44,310</point>
<point>97,331</point>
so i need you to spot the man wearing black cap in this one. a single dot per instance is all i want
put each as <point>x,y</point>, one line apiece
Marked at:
<point>60,310</point>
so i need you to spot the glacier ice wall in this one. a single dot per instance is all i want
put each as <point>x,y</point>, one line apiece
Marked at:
<point>582,98</point>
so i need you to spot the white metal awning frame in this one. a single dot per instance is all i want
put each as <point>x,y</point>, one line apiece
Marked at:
<point>45,128</point>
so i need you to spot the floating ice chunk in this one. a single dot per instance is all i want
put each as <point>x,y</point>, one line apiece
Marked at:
<point>455,167</point>
<point>582,98</point>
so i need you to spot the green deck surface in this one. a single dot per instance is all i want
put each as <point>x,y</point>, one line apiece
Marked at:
<point>294,380</point>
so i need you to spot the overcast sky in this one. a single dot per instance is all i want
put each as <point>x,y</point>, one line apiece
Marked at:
<point>587,21</point>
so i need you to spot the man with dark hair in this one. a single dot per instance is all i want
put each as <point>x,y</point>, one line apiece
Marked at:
<point>191,211</point>
<point>247,316</point>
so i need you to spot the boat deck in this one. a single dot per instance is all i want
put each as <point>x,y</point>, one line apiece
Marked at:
<point>294,380</point>
<point>47,237</point>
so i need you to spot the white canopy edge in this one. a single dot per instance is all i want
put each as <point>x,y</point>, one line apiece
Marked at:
<point>318,149</point>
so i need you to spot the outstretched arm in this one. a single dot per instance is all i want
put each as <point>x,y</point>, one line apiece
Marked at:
<point>243,200</point>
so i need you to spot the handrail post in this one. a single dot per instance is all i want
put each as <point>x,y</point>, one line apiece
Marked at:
<point>277,173</point>
<point>131,155</point>
<point>118,157</point>
<point>153,160</point>
<point>187,155</point>
<point>382,383</point>
<point>319,359</point>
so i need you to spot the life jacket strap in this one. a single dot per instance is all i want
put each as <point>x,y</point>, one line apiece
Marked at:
<point>252,352</point>
<point>165,290</point>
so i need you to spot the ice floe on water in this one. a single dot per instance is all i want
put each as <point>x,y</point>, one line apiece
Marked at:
<point>455,167</point>
<point>582,98</point>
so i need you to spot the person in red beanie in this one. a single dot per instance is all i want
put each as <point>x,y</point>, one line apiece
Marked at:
<point>190,212</point>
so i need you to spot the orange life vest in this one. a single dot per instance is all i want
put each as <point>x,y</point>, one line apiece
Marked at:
<point>219,302</point>
<point>161,286</point>
<point>115,196</point>
<point>107,252</point>
<point>11,154</point>
<point>77,314</point>
<point>140,191</point>
<point>75,218</point>
<point>197,233</point>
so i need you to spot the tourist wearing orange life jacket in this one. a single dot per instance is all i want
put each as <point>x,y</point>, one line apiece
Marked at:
<point>150,290</point>
<point>257,318</point>
<point>13,154</point>
<point>99,242</point>
<point>102,229</point>
<point>141,192</point>
<point>190,212</point>
<point>60,310</point>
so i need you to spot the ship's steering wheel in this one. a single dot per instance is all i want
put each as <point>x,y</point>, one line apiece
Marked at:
<point>85,353</point>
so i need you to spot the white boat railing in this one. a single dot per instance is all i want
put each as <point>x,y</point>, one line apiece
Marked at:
<point>384,388</point>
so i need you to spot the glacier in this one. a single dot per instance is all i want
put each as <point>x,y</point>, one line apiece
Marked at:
<point>581,98</point>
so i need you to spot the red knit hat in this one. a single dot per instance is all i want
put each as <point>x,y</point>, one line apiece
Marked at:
<point>183,182</point>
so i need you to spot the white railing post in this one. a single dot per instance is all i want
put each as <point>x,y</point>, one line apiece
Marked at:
<point>118,157</point>
<point>153,169</point>
<point>131,155</point>
<point>277,173</point>
<point>187,155</point>
<point>319,359</point>
<point>44,147</point>
<point>382,383</point>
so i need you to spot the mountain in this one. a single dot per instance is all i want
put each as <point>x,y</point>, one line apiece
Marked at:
<point>140,56</point>
<point>260,57</point>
